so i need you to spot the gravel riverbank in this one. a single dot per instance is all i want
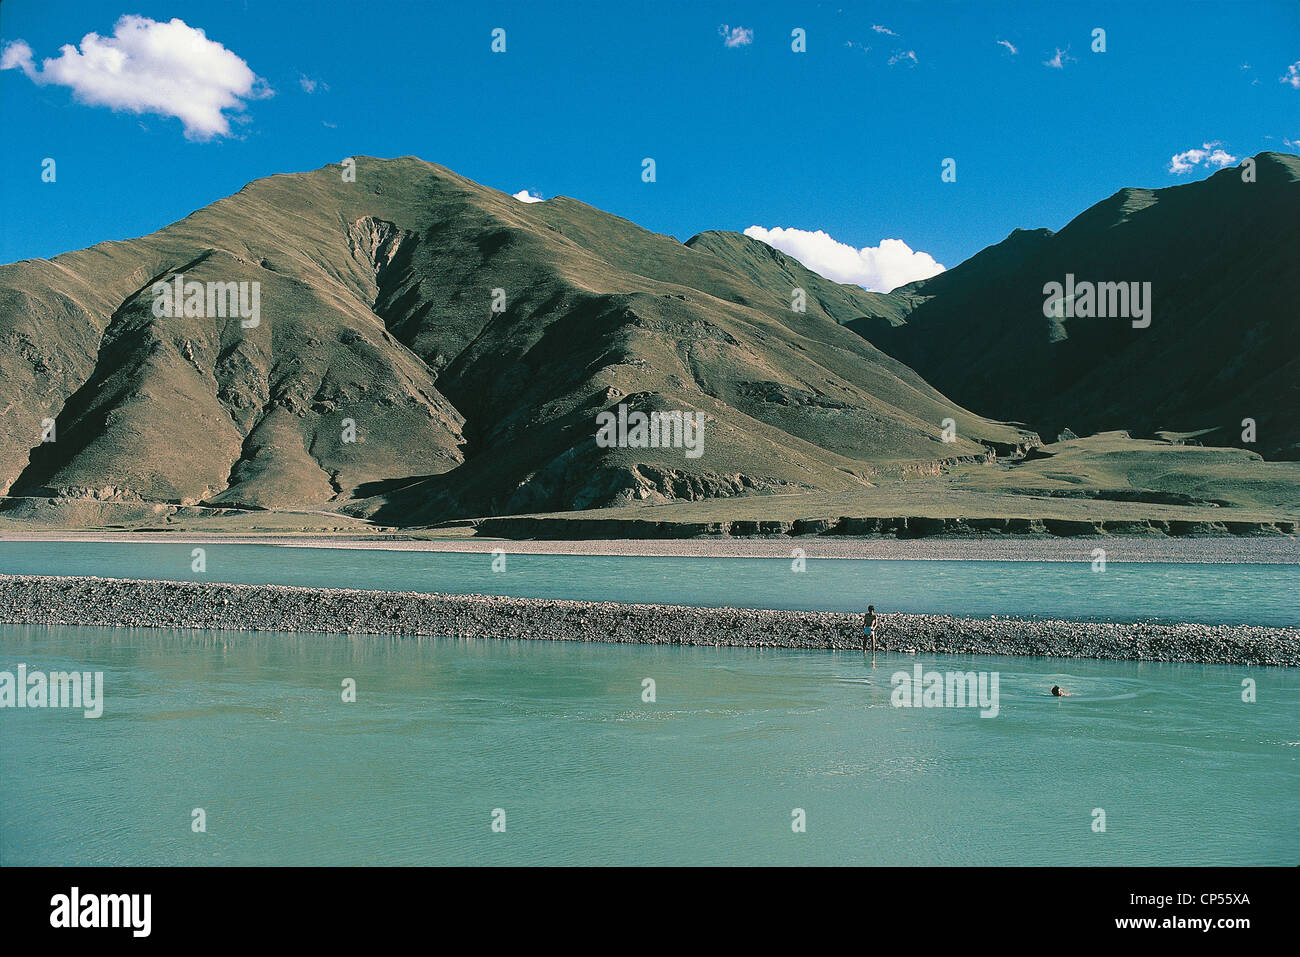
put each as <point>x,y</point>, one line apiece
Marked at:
<point>43,600</point>
<point>1226,549</point>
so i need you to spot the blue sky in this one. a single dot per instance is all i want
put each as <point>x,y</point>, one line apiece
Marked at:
<point>837,138</point>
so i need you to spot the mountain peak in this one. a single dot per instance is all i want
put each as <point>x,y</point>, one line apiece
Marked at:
<point>1215,260</point>
<point>1286,164</point>
<point>467,340</point>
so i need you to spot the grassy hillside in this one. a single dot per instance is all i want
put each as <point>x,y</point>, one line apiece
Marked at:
<point>1108,483</point>
<point>376,307</point>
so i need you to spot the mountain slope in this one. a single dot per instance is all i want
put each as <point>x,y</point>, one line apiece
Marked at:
<point>377,309</point>
<point>1223,343</point>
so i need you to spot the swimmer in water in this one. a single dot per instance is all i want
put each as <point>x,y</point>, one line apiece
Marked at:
<point>1059,692</point>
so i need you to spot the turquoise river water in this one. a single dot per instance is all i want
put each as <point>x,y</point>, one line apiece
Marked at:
<point>445,735</point>
<point>1257,594</point>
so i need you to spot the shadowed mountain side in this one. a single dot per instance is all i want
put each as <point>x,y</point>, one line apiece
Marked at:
<point>1223,342</point>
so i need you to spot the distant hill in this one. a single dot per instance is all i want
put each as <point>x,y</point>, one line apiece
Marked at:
<point>376,307</point>
<point>1223,344</point>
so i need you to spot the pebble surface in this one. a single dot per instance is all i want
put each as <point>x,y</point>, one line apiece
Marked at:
<point>42,600</point>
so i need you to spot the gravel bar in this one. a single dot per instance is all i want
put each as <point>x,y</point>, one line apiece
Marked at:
<point>42,600</point>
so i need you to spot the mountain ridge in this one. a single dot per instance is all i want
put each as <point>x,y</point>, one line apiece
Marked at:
<point>375,298</point>
<point>1214,250</point>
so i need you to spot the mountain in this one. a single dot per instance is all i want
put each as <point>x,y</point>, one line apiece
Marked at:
<point>1223,343</point>
<point>377,315</point>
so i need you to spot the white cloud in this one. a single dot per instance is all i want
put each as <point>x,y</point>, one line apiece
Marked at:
<point>1221,158</point>
<point>900,57</point>
<point>1009,45</point>
<point>171,69</point>
<point>524,196</point>
<point>1183,162</point>
<point>879,268</point>
<point>1292,77</point>
<point>310,85</point>
<point>885,30</point>
<point>1294,144</point>
<point>736,36</point>
<point>1058,61</point>
<point>18,55</point>
<point>1209,153</point>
